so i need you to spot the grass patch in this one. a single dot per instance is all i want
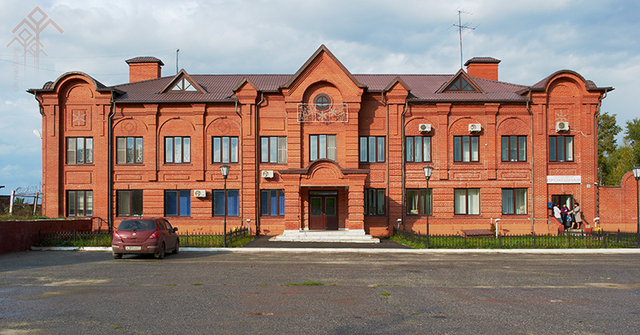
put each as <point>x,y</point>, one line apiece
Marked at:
<point>196,284</point>
<point>116,327</point>
<point>384,294</point>
<point>307,283</point>
<point>171,284</point>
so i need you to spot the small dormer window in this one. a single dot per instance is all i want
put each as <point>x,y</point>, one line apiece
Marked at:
<point>460,84</point>
<point>183,85</point>
<point>322,102</point>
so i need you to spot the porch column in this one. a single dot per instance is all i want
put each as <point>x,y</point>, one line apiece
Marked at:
<point>355,219</point>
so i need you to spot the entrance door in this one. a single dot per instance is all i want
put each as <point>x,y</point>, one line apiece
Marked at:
<point>323,210</point>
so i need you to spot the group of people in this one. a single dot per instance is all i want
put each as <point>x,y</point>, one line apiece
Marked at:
<point>569,218</point>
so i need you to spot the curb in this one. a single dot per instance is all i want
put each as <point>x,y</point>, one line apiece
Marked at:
<point>372,250</point>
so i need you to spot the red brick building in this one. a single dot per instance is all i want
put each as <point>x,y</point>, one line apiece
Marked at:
<point>322,149</point>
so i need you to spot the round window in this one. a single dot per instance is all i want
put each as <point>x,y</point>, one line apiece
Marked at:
<point>322,102</point>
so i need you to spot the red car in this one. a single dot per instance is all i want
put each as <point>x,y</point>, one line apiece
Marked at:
<point>145,236</point>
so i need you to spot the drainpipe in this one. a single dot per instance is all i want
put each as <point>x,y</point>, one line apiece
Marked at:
<point>241,165</point>
<point>257,166</point>
<point>44,158</point>
<point>533,190</point>
<point>402,140</point>
<point>596,210</point>
<point>110,166</point>
<point>387,153</point>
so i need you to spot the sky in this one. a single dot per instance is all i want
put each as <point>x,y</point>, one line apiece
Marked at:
<point>533,39</point>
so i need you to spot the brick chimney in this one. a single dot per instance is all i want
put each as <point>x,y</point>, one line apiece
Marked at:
<point>483,67</point>
<point>144,68</point>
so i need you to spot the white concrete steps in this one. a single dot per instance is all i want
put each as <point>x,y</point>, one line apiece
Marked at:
<point>340,236</point>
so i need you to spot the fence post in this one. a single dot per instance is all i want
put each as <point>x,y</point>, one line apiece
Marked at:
<point>534,241</point>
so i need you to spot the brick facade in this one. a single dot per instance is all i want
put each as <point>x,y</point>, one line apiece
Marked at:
<point>389,107</point>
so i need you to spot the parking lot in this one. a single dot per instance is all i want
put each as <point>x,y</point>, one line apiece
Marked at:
<point>270,292</point>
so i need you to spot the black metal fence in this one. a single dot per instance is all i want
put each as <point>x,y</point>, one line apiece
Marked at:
<point>103,239</point>
<point>563,241</point>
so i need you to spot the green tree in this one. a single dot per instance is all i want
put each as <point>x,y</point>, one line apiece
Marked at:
<point>632,139</point>
<point>607,147</point>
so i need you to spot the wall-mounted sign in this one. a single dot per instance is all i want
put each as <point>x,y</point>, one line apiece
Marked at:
<point>564,179</point>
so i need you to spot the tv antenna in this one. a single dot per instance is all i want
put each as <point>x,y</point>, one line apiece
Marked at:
<point>177,54</point>
<point>460,28</point>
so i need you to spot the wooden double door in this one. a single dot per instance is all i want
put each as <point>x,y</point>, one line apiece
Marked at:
<point>323,210</point>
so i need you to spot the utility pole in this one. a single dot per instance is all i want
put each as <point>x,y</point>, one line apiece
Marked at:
<point>177,54</point>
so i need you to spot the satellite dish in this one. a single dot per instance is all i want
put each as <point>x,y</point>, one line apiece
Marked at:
<point>37,133</point>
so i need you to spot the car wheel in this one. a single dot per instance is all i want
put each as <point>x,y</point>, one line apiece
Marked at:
<point>160,253</point>
<point>117,256</point>
<point>177,248</point>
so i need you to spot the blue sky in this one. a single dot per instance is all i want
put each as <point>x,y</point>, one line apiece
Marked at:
<point>533,39</point>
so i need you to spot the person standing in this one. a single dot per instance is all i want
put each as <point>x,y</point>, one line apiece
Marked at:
<point>577,215</point>
<point>557,214</point>
<point>565,211</point>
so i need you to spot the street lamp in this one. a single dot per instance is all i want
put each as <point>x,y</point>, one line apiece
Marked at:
<point>636,174</point>
<point>427,176</point>
<point>224,169</point>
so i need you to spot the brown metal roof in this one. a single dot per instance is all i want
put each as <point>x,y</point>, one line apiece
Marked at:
<point>144,59</point>
<point>220,88</point>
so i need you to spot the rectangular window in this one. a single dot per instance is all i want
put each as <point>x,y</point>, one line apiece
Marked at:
<point>514,201</point>
<point>273,150</point>
<point>177,203</point>
<point>79,203</point>
<point>79,150</point>
<point>514,148</point>
<point>129,202</point>
<point>229,202</point>
<point>177,149</point>
<point>561,148</point>
<point>323,146</point>
<point>466,149</point>
<point>129,150</point>
<point>419,201</point>
<point>467,201</point>
<point>272,202</point>
<point>374,201</point>
<point>372,149</point>
<point>418,148</point>
<point>224,149</point>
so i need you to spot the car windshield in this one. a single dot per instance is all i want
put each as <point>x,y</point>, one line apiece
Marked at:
<point>138,225</point>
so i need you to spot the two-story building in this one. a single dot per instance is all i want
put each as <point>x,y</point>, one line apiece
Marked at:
<point>322,149</point>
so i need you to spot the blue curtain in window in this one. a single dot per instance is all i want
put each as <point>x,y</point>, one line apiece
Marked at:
<point>233,201</point>
<point>185,202</point>
<point>171,203</point>
<point>281,202</point>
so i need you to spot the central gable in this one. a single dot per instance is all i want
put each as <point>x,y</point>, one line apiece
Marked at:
<point>323,67</point>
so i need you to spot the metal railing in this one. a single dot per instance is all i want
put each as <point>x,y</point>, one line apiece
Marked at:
<point>103,239</point>
<point>562,241</point>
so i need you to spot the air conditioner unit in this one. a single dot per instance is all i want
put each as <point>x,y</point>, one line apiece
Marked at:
<point>424,127</point>
<point>562,126</point>
<point>475,127</point>
<point>200,193</point>
<point>267,173</point>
